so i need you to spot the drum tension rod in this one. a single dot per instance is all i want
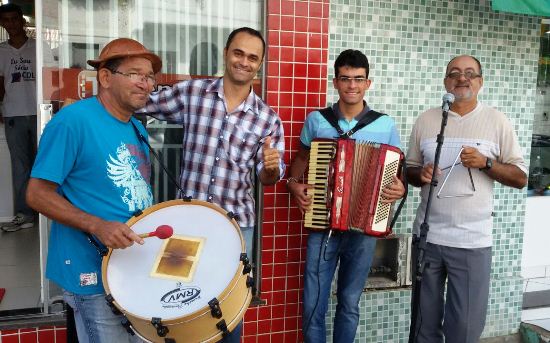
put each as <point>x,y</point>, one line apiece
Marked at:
<point>186,198</point>
<point>128,326</point>
<point>232,215</point>
<point>246,262</point>
<point>137,213</point>
<point>169,340</point>
<point>249,282</point>
<point>161,329</point>
<point>215,308</point>
<point>222,327</point>
<point>110,301</point>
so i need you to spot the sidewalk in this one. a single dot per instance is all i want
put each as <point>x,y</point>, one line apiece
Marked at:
<point>503,339</point>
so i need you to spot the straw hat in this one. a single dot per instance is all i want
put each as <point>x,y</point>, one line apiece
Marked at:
<point>125,47</point>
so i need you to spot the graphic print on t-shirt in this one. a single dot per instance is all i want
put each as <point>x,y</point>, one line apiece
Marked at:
<point>124,171</point>
<point>21,70</point>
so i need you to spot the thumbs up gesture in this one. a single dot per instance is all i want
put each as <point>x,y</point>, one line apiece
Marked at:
<point>271,157</point>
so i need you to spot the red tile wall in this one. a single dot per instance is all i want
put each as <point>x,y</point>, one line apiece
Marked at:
<point>297,40</point>
<point>296,62</point>
<point>46,334</point>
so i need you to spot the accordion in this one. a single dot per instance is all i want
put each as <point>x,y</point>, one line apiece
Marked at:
<point>348,178</point>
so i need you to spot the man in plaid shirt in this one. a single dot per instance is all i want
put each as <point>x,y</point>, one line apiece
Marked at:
<point>227,130</point>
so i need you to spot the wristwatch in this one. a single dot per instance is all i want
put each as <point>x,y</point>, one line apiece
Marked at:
<point>488,164</point>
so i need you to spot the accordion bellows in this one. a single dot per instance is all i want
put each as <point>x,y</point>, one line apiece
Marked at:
<point>348,177</point>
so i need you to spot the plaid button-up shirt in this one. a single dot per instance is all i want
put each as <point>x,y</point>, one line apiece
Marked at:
<point>219,149</point>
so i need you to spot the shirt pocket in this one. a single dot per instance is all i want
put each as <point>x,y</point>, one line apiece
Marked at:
<point>243,146</point>
<point>487,148</point>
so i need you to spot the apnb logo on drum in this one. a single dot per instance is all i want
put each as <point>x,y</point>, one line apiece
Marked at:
<point>180,296</point>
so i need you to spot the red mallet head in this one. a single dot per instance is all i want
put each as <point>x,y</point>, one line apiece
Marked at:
<point>162,232</point>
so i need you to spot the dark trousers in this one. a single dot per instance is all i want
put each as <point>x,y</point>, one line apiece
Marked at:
<point>457,315</point>
<point>21,139</point>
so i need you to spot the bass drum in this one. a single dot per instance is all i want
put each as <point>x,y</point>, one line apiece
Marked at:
<point>192,287</point>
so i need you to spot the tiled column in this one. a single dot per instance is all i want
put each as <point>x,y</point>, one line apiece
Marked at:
<point>297,53</point>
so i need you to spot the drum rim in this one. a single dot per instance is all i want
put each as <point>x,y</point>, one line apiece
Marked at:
<point>201,311</point>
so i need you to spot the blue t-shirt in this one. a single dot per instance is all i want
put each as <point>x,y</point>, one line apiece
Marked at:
<point>382,130</point>
<point>103,169</point>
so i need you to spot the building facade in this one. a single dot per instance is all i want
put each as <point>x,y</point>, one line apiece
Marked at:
<point>408,44</point>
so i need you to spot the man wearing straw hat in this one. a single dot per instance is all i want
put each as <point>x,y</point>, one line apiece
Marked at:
<point>90,175</point>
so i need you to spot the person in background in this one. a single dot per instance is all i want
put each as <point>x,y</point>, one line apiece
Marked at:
<point>18,97</point>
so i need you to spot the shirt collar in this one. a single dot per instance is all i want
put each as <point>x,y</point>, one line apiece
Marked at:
<point>475,110</point>
<point>358,117</point>
<point>250,103</point>
<point>21,47</point>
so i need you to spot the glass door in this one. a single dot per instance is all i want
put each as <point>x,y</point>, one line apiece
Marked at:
<point>20,280</point>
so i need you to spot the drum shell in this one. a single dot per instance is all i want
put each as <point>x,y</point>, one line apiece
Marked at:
<point>201,325</point>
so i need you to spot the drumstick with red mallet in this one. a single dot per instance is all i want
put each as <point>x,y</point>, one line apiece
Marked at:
<point>162,232</point>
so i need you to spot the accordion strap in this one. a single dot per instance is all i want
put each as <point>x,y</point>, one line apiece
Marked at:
<point>330,116</point>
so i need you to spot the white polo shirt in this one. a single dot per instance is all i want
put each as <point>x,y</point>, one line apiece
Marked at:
<point>464,221</point>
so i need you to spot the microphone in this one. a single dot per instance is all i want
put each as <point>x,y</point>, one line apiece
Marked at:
<point>162,232</point>
<point>448,99</point>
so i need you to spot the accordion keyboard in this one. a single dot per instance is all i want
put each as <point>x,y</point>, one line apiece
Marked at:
<point>320,157</point>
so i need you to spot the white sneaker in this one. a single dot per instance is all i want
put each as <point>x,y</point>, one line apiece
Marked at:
<point>20,221</point>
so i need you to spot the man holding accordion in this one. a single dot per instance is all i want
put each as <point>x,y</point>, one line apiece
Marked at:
<point>350,117</point>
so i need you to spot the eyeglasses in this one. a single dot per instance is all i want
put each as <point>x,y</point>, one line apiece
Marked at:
<point>469,75</point>
<point>347,80</point>
<point>137,77</point>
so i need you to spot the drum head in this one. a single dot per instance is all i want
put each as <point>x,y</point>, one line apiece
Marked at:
<point>175,277</point>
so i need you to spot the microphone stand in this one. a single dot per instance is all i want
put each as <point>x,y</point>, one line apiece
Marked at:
<point>424,228</point>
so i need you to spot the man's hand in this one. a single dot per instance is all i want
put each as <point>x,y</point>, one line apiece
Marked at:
<point>427,172</point>
<point>472,158</point>
<point>420,176</point>
<point>505,173</point>
<point>114,234</point>
<point>393,191</point>
<point>271,157</point>
<point>299,192</point>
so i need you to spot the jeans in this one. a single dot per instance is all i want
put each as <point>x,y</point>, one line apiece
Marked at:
<point>248,237</point>
<point>234,336</point>
<point>354,251</point>
<point>94,320</point>
<point>21,139</point>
